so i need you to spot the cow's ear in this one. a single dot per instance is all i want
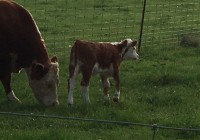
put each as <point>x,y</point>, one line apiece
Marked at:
<point>38,71</point>
<point>54,59</point>
<point>134,43</point>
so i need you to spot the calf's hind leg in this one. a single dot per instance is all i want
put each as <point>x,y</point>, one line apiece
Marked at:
<point>86,73</point>
<point>117,86</point>
<point>73,71</point>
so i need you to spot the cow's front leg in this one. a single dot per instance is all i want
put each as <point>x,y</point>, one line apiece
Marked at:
<point>106,86</point>
<point>86,72</point>
<point>6,79</point>
<point>117,86</point>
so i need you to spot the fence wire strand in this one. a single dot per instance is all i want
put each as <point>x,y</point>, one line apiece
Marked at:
<point>154,127</point>
<point>164,23</point>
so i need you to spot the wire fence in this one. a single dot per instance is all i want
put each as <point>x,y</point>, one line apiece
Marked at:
<point>166,21</point>
<point>63,21</point>
<point>154,127</point>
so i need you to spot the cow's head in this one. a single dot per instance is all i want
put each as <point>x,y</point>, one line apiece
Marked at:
<point>129,49</point>
<point>44,82</point>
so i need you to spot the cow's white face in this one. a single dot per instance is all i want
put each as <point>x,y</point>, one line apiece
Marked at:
<point>130,51</point>
<point>45,88</point>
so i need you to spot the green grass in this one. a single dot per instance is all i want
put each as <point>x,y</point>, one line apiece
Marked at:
<point>163,87</point>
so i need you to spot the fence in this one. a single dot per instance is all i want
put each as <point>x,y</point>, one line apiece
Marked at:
<point>102,20</point>
<point>63,21</point>
<point>154,127</point>
<point>166,21</point>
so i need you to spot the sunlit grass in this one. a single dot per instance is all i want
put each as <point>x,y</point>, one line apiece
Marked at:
<point>160,88</point>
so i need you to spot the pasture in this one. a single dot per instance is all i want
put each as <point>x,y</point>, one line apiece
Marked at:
<point>163,87</point>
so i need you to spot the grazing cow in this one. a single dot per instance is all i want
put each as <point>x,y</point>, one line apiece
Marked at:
<point>103,58</point>
<point>21,46</point>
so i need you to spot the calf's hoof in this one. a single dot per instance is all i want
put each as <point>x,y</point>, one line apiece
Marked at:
<point>87,102</point>
<point>115,99</point>
<point>55,103</point>
<point>69,103</point>
<point>70,100</point>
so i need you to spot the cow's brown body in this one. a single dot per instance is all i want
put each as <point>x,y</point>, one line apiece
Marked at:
<point>19,35</point>
<point>20,44</point>
<point>92,58</point>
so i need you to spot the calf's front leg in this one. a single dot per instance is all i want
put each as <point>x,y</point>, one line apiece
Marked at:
<point>106,86</point>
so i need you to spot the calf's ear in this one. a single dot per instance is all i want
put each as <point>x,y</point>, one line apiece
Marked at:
<point>54,59</point>
<point>134,43</point>
<point>124,43</point>
<point>38,71</point>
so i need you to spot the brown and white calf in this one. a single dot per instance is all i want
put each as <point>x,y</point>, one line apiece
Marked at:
<point>21,46</point>
<point>98,58</point>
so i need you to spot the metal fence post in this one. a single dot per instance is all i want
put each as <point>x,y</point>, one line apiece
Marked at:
<point>142,24</point>
<point>154,128</point>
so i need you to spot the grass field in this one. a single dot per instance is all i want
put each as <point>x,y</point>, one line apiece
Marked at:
<point>163,87</point>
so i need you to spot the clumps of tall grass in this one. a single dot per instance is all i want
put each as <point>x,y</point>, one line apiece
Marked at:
<point>191,40</point>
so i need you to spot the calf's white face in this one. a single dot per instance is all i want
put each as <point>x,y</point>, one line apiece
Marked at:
<point>130,50</point>
<point>45,88</point>
<point>131,54</point>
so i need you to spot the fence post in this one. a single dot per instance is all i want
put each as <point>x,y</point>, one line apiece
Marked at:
<point>154,128</point>
<point>142,24</point>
